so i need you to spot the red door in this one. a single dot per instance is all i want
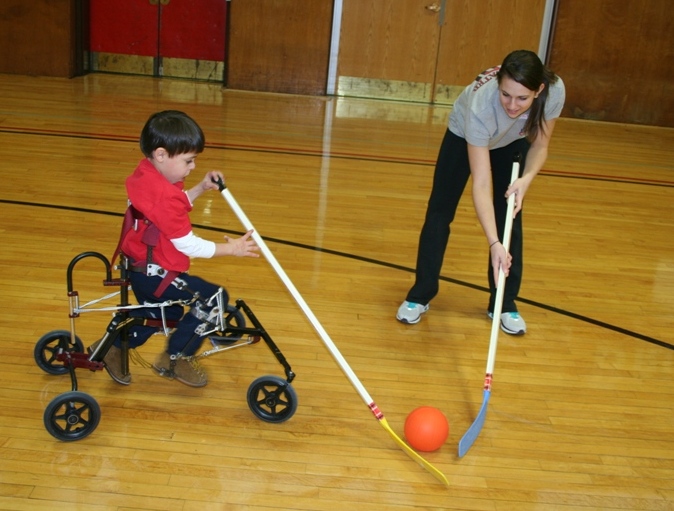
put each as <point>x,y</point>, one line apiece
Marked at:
<point>193,29</point>
<point>159,37</point>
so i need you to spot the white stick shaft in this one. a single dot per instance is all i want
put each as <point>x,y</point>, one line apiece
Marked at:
<point>500,286</point>
<point>298,297</point>
<point>326,338</point>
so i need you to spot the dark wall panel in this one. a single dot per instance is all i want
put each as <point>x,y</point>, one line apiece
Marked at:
<point>40,37</point>
<point>279,45</point>
<point>616,59</point>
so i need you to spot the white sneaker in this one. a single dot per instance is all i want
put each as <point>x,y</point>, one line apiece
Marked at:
<point>410,312</point>
<point>511,323</point>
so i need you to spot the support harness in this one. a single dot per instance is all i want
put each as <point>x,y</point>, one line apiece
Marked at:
<point>150,238</point>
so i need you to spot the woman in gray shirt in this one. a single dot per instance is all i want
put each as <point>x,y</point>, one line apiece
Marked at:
<point>509,109</point>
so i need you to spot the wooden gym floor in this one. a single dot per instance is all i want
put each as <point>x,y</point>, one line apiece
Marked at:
<point>581,415</point>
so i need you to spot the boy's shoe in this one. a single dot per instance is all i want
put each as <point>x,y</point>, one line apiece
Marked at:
<point>113,363</point>
<point>187,371</point>
<point>511,323</point>
<point>410,312</point>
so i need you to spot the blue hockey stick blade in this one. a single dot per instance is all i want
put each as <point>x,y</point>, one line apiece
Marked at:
<point>473,432</point>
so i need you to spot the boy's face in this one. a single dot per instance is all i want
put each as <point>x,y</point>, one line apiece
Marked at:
<point>174,168</point>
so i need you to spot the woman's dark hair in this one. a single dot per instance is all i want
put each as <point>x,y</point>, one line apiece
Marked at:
<point>526,68</point>
<point>173,130</point>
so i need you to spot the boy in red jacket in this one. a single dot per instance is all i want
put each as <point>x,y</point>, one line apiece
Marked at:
<point>171,141</point>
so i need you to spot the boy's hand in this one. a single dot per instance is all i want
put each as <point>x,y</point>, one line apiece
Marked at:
<point>210,182</point>
<point>244,246</point>
<point>206,184</point>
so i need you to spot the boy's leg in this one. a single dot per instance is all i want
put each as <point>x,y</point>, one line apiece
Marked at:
<point>137,335</point>
<point>184,340</point>
<point>143,288</point>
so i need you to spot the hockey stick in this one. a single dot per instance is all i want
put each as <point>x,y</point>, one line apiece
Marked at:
<point>324,335</point>
<point>473,432</point>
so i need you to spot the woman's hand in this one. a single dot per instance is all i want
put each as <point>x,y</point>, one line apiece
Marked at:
<point>500,259</point>
<point>519,187</point>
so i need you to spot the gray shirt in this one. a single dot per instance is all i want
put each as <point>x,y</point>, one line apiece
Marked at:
<point>479,117</point>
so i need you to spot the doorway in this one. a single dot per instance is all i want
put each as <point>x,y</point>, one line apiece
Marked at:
<point>428,51</point>
<point>170,38</point>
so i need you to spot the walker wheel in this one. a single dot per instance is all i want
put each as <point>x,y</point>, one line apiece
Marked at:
<point>234,318</point>
<point>49,346</point>
<point>272,399</point>
<point>72,416</point>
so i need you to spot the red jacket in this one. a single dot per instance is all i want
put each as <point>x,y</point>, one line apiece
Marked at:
<point>167,206</point>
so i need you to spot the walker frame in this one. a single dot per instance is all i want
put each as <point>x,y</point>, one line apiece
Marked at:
<point>75,415</point>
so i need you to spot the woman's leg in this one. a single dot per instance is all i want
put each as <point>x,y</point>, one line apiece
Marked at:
<point>501,162</point>
<point>451,175</point>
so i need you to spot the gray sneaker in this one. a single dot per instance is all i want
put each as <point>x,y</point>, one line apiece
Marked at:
<point>511,323</point>
<point>185,370</point>
<point>410,312</point>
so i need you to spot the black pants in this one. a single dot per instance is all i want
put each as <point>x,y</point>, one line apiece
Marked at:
<point>452,171</point>
<point>182,340</point>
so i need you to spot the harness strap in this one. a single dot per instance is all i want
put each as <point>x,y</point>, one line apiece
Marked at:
<point>150,238</point>
<point>166,282</point>
<point>158,323</point>
<point>130,217</point>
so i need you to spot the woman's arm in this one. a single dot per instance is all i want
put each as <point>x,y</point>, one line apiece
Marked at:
<point>480,169</point>
<point>538,153</point>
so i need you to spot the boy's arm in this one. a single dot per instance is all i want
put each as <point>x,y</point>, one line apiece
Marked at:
<point>244,246</point>
<point>205,185</point>
<point>195,246</point>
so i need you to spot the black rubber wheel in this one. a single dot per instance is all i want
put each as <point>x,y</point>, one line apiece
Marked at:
<point>234,318</point>
<point>272,399</point>
<point>72,416</point>
<point>48,347</point>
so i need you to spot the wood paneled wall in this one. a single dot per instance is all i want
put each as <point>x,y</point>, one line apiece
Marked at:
<point>41,37</point>
<point>279,46</point>
<point>424,51</point>
<point>478,35</point>
<point>613,56</point>
<point>616,60</point>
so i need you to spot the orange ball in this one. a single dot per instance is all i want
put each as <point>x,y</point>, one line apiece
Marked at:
<point>426,429</point>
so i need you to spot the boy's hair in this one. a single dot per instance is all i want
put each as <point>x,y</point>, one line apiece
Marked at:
<point>173,130</point>
<point>526,68</point>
